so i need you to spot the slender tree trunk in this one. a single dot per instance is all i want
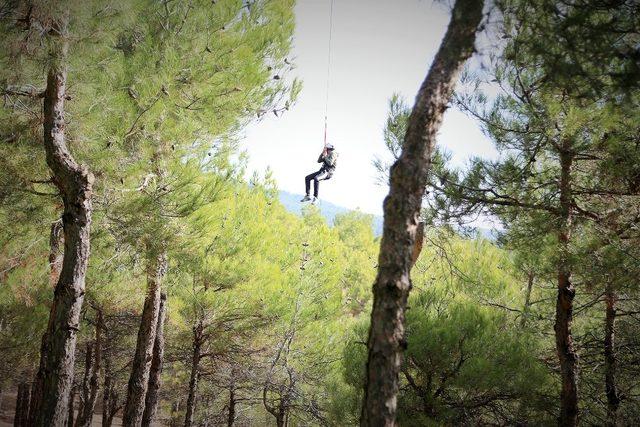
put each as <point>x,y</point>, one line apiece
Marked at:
<point>195,374</point>
<point>74,181</point>
<point>402,206</point>
<point>610,362</point>
<point>151,402</point>
<point>88,369</point>
<point>564,305</point>
<point>109,394</point>
<point>231,418</point>
<point>21,416</point>
<point>139,379</point>
<point>91,385</point>
<point>107,389</point>
<point>527,300</point>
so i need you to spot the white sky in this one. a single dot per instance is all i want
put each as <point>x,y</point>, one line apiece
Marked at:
<point>378,47</point>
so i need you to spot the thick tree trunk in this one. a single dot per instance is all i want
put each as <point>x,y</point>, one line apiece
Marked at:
<point>195,374</point>
<point>408,179</point>
<point>610,362</point>
<point>72,399</point>
<point>21,416</point>
<point>151,402</point>
<point>139,379</point>
<point>74,181</point>
<point>91,384</point>
<point>567,355</point>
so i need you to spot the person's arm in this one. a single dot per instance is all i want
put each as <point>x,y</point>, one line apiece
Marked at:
<point>322,156</point>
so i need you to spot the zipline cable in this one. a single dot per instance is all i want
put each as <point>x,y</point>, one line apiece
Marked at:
<point>326,105</point>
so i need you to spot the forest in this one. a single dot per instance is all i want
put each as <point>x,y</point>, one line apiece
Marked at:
<point>147,277</point>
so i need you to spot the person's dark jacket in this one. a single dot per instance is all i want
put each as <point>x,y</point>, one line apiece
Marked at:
<point>328,160</point>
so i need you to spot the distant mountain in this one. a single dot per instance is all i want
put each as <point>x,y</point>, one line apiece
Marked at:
<point>292,203</point>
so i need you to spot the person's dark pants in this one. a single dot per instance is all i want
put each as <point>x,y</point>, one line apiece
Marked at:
<point>315,177</point>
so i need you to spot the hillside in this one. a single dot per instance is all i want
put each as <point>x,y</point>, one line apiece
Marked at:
<point>329,210</point>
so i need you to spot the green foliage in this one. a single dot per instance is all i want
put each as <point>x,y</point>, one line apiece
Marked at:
<point>467,360</point>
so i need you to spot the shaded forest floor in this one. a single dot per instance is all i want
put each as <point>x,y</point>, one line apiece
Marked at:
<point>8,408</point>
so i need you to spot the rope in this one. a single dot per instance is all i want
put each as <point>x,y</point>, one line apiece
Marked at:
<point>326,105</point>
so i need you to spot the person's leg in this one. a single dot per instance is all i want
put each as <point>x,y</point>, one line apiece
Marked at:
<point>319,176</point>
<point>316,183</point>
<point>307,182</point>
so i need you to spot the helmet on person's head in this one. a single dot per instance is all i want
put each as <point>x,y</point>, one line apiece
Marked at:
<point>330,147</point>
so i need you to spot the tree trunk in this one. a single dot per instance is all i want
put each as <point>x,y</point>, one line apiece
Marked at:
<point>56,243</point>
<point>91,385</point>
<point>402,206</point>
<point>57,356</point>
<point>567,355</point>
<point>151,402</point>
<point>610,362</point>
<point>72,398</point>
<point>193,380</point>
<point>231,418</point>
<point>139,379</point>
<point>527,300</point>
<point>108,393</point>
<point>21,416</point>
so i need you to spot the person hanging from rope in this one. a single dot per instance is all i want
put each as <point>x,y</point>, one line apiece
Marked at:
<point>328,158</point>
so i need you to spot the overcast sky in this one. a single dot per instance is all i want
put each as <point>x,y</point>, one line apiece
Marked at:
<point>378,47</point>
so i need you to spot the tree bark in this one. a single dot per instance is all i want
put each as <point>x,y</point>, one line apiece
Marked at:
<point>195,374</point>
<point>21,416</point>
<point>93,368</point>
<point>56,243</point>
<point>231,417</point>
<point>72,398</point>
<point>151,402</point>
<point>610,362</point>
<point>526,310</point>
<point>408,178</point>
<point>567,355</point>
<point>139,378</point>
<point>57,356</point>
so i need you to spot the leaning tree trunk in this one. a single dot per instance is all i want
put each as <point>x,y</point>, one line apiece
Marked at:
<point>408,179</point>
<point>610,362</point>
<point>91,385</point>
<point>139,379</point>
<point>151,402</point>
<point>567,355</point>
<point>57,356</point>
<point>193,380</point>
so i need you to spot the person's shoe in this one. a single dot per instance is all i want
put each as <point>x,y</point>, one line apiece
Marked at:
<point>314,200</point>
<point>306,198</point>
